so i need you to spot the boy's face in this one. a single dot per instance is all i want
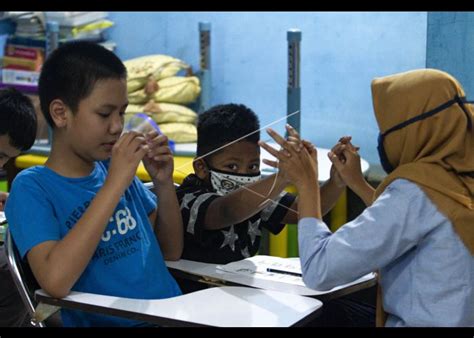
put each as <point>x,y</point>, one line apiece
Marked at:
<point>239,158</point>
<point>7,151</point>
<point>98,122</point>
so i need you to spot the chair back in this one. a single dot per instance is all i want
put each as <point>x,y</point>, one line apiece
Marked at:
<point>23,278</point>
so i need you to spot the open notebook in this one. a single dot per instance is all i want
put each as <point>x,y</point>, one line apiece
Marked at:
<point>253,272</point>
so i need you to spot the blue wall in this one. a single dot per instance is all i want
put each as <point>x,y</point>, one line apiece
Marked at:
<point>341,53</point>
<point>450,46</point>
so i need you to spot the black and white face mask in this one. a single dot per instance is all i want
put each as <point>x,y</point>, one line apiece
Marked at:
<point>224,182</point>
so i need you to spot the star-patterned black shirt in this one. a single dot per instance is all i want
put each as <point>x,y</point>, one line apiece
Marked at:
<point>229,244</point>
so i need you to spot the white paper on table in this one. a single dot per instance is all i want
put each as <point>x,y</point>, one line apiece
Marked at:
<point>257,266</point>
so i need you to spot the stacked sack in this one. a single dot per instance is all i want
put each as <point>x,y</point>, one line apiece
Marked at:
<point>155,89</point>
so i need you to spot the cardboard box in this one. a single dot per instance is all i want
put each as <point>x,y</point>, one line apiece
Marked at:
<point>21,77</point>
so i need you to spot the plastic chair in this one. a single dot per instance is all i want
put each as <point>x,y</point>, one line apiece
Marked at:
<point>26,284</point>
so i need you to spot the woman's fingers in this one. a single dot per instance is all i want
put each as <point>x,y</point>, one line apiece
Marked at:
<point>345,139</point>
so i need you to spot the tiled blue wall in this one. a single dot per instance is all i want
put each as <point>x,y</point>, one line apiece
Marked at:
<point>450,46</point>
<point>341,52</point>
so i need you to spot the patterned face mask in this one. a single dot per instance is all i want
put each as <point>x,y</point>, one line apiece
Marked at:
<point>224,182</point>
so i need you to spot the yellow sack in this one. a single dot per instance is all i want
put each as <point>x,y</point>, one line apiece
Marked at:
<point>134,108</point>
<point>169,112</point>
<point>158,66</point>
<point>138,97</point>
<point>174,89</point>
<point>163,112</point>
<point>178,89</point>
<point>180,132</point>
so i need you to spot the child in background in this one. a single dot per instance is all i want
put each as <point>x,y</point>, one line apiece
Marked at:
<point>17,134</point>
<point>84,221</point>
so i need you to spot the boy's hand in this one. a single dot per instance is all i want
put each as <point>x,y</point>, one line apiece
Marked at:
<point>295,140</point>
<point>126,155</point>
<point>159,159</point>
<point>294,162</point>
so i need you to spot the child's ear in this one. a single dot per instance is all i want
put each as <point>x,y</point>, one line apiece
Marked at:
<point>58,112</point>
<point>200,169</point>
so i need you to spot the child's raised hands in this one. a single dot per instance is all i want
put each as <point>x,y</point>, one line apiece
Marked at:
<point>158,160</point>
<point>294,161</point>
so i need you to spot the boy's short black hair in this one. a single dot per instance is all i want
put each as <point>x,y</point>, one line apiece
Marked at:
<point>225,123</point>
<point>72,70</point>
<point>17,118</point>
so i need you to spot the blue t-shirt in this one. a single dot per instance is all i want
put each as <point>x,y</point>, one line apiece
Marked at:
<point>44,206</point>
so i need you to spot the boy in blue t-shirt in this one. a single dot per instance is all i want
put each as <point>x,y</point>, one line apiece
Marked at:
<point>83,220</point>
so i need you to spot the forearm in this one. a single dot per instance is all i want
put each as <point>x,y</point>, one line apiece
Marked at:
<point>309,202</point>
<point>330,193</point>
<point>67,259</point>
<point>169,224</point>
<point>364,190</point>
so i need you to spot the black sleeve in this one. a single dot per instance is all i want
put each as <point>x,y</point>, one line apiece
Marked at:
<point>274,213</point>
<point>193,206</point>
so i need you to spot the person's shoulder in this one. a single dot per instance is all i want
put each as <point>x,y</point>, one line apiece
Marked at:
<point>404,186</point>
<point>191,183</point>
<point>409,196</point>
<point>32,173</point>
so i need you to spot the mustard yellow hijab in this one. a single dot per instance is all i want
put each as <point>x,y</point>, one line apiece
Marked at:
<point>436,152</point>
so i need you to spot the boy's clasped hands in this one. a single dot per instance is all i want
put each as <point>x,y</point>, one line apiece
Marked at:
<point>297,159</point>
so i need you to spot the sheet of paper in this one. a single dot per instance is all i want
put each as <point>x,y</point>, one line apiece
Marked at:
<point>250,277</point>
<point>257,266</point>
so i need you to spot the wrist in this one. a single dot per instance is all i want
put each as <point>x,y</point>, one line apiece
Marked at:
<point>309,202</point>
<point>163,184</point>
<point>114,187</point>
<point>337,183</point>
<point>308,190</point>
<point>358,185</point>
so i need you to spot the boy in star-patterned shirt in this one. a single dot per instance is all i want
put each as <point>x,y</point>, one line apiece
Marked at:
<point>223,203</point>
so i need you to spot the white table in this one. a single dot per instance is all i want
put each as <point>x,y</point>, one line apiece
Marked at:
<point>228,306</point>
<point>208,273</point>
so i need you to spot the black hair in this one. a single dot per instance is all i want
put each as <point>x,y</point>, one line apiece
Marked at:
<point>17,118</point>
<point>225,123</point>
<point>72,70</point>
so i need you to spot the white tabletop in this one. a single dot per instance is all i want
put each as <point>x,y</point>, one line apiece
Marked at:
<point>212,271</point>
<point>324,164</point>
<point>228,306</point>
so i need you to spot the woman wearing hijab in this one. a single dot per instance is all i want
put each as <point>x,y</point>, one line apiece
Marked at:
<point>418,233</point>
